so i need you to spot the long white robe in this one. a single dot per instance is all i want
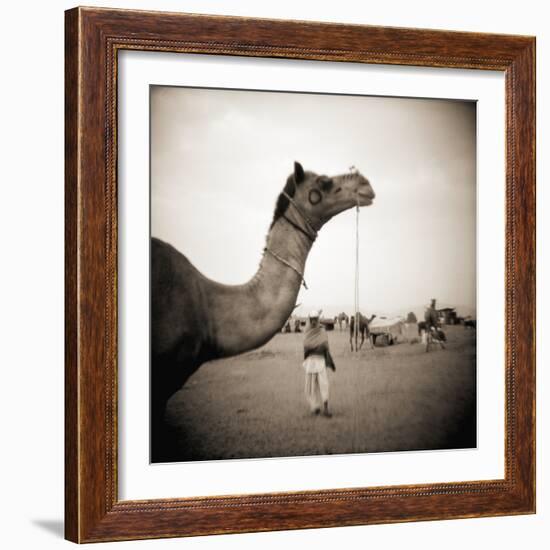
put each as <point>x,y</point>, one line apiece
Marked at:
<point>316,387</point>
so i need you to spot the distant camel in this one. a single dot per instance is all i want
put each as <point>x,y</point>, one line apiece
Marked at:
<point>343,320</point>
<point>363,330</point>
<point>195,319</point>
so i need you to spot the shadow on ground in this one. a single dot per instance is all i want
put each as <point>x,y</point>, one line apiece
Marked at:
<point>55,527</point>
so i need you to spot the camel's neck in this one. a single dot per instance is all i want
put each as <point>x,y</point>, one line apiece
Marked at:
<point>246,316</point>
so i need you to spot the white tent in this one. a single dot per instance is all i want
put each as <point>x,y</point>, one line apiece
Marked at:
<point>391,326</point>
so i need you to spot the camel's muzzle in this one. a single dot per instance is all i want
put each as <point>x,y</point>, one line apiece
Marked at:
<point>365,193</point>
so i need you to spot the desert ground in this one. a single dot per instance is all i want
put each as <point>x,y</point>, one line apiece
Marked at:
<point>394,398</point>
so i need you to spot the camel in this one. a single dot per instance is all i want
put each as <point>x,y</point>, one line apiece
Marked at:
<point>194,319</point>
<point>363,330</point>
<point>342,319</point>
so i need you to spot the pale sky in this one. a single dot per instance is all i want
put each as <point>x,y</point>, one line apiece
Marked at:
<point>219,159</point>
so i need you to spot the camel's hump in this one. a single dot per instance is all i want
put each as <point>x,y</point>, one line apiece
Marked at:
<point>166,259</point>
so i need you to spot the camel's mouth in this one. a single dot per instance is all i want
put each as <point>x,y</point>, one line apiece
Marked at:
<point>365,199</point>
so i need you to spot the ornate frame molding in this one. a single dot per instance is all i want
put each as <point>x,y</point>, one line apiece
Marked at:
<point>93,38</point>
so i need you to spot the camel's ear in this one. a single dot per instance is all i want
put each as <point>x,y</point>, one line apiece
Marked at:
<point>299,175</point>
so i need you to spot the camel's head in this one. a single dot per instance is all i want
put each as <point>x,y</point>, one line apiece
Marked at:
<point>321,197</point>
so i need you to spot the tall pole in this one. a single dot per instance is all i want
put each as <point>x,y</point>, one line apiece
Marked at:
<point>357,319</point>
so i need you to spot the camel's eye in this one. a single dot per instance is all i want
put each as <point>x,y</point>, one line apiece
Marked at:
<point>325,183</point>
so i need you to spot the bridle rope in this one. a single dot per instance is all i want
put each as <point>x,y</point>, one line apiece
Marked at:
<point>288,264</point>
<point>309,231</point>
<point>309,224</point>
<point>298,228</point>
<point>357,314</point>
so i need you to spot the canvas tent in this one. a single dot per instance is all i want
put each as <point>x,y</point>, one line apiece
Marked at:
<point>392,327</point>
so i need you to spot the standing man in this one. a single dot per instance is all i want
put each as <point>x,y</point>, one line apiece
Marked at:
<point>317,359</point>
<point>433,325</point>
<point>430,316</point>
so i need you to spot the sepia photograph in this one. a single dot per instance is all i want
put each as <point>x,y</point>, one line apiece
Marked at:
<point>312,274</point>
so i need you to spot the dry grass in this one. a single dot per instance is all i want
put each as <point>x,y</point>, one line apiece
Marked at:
<point>386,399</point>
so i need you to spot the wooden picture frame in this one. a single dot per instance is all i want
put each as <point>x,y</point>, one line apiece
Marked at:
<point>93,511</point>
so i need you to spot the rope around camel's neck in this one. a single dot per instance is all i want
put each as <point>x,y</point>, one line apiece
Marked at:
<point>303,225</point>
